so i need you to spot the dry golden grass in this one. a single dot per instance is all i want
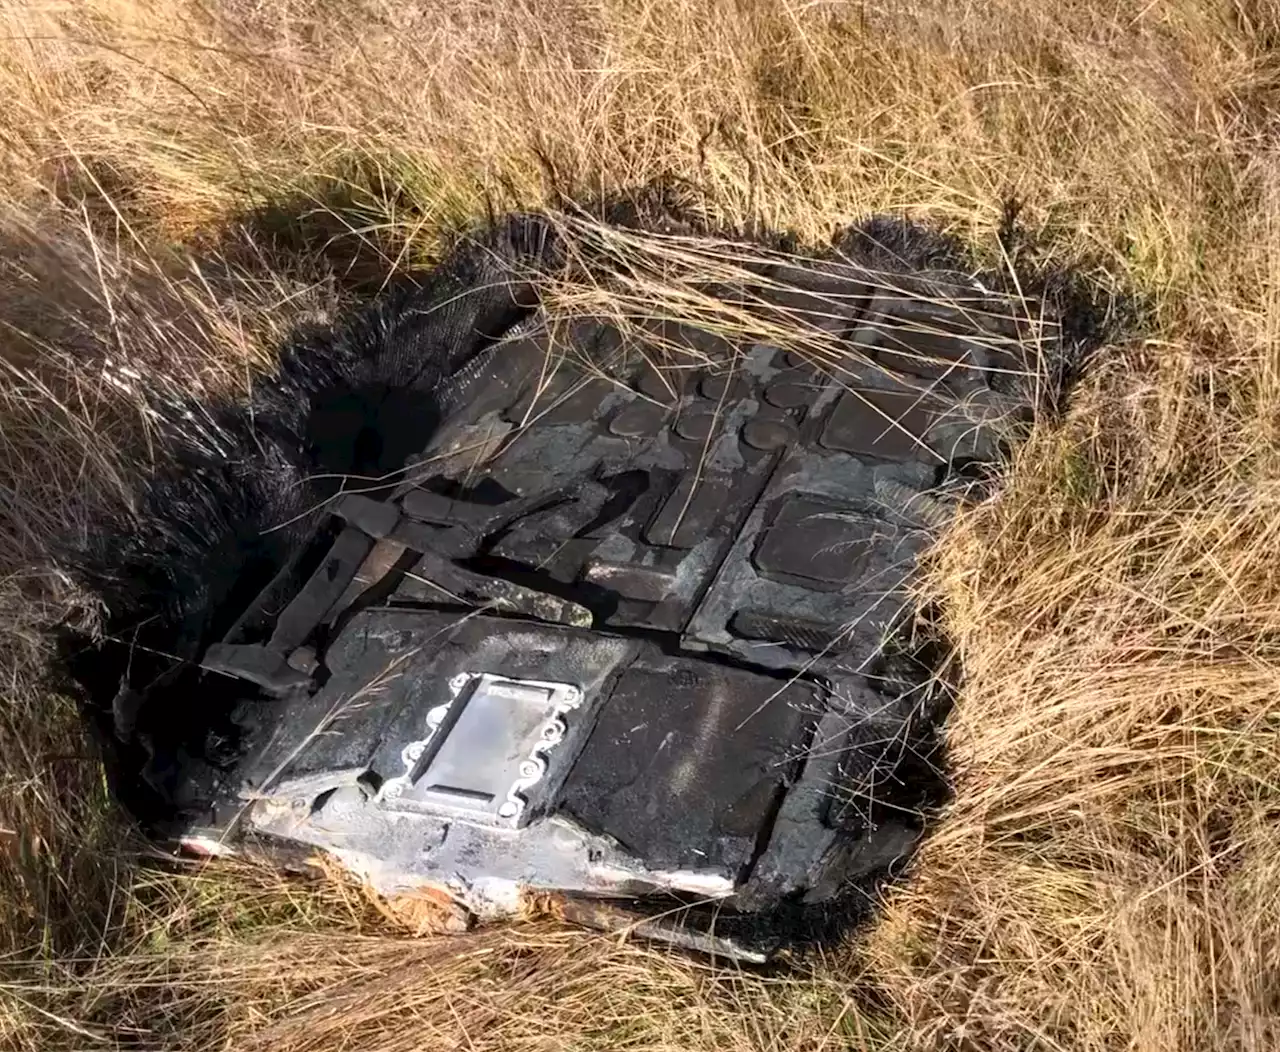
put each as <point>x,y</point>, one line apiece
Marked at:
<point>184,179</point>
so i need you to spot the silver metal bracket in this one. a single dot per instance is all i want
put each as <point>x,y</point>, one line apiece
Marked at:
<point>484,749</point>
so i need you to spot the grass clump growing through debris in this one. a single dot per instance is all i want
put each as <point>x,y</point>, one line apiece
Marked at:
<point>186,180</point>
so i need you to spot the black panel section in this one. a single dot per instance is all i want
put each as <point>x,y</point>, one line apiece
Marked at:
<point>688,761</point>
<point>880,423</point>
<point>941,342</point>
<point>689,513</point>
<point>816,636</point>
<point>824,544</point>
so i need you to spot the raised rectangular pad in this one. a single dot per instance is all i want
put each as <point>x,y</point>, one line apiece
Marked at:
<point>688,760</point>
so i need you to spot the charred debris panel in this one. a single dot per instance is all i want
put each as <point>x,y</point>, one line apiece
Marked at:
<point>613,615</point>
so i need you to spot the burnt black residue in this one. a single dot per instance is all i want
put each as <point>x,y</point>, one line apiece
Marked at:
<point>238,496</point>
<point>238,500</point>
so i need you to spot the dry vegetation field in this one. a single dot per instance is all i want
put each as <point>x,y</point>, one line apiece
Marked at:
<point>184,180</point>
